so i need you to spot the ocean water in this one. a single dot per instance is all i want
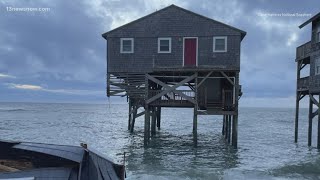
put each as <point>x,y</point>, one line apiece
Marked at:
<point>266,147</point>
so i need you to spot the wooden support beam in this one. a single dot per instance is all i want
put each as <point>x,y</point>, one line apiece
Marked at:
<point>235,131</point>
<point>130,112</point>
<point>147,126</point>
<point>235,117</point>
<point>314,114</point>
<point>229,129</point>
<point>190,86</point>
<point>226,127</point>
<point>185,96</point>
<point>301,67</point>
<point>153,121</point>
<point>206,77</point>
<point>318,143</point>
<point>310,122</point>
<point>227,77</point>
<point>140,114</point>
<point>168,88</point>
<point>108,81</point>
<point>296,122</point>
<point>302,96</point>
<point>298,98</point>
<point>158,117</point>
<point>134,116</point>
<point>146,115</point>
<point>223,124</point>
<point>314,100</point>
<point>195,126</point>
<point>195,113</point>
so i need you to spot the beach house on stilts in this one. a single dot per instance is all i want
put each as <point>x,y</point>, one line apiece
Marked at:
<point>176,58</point>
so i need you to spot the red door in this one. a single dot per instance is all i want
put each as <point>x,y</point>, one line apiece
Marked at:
<point>190,52</point>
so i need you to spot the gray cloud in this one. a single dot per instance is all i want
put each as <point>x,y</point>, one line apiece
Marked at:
<point>30,87</point>
<point>63,48</point>
<point>6,76</point>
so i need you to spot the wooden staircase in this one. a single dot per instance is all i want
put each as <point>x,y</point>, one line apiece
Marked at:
<point>126,84</point>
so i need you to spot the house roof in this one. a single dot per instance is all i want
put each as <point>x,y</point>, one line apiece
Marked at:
<point>243,33</point>
<point>317,16</point>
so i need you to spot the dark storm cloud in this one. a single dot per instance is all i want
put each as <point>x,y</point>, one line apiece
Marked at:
<point>64,43</point>
<point>62,50</point>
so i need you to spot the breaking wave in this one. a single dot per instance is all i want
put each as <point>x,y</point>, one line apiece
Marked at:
<point>11,109</point>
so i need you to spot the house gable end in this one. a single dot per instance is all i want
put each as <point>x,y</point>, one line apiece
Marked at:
<point>173,21</point>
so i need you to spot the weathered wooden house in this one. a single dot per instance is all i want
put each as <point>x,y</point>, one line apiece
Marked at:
<point>308,55</point>
<point>176,58</point>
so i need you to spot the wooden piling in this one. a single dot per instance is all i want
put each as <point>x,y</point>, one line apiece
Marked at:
<point>134,115</point>
<point>229,129</point>
<point>158,117</point>
<point>147,126</point>
<point>195,126</point>
<point>195,113</point>
<point>235,117</point>
<point>129,116</point>
<point>310,121</point>
<point>235,131</point>
<point>223,124</point>
<point>318,143</point>
<point>296,122</point>
<point>226,127</point>
<point>153,122</point>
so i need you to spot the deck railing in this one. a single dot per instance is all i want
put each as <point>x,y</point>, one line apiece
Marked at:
<point>171,98</point>
<point>303,83</point>
<point>174,99</point>
<point>303,50</point>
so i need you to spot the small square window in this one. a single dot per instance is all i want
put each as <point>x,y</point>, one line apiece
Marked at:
<point>220,44</point>
<point>164,45</point>
<point>126,45</point>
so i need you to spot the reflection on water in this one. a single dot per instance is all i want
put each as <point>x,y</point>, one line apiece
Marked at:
<point>266,148</point>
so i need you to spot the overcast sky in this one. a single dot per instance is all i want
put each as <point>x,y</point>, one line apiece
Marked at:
<point>58,55</point>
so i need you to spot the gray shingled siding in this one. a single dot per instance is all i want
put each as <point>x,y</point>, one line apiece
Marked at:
<point>146,54</point>
<point>174,23</point>
<point>314,80</point>
<point>314,31</point>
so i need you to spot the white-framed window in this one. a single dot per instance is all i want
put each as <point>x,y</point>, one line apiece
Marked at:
<point>126,45</point>
<point>220,44</point>
<point>164,45</point>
